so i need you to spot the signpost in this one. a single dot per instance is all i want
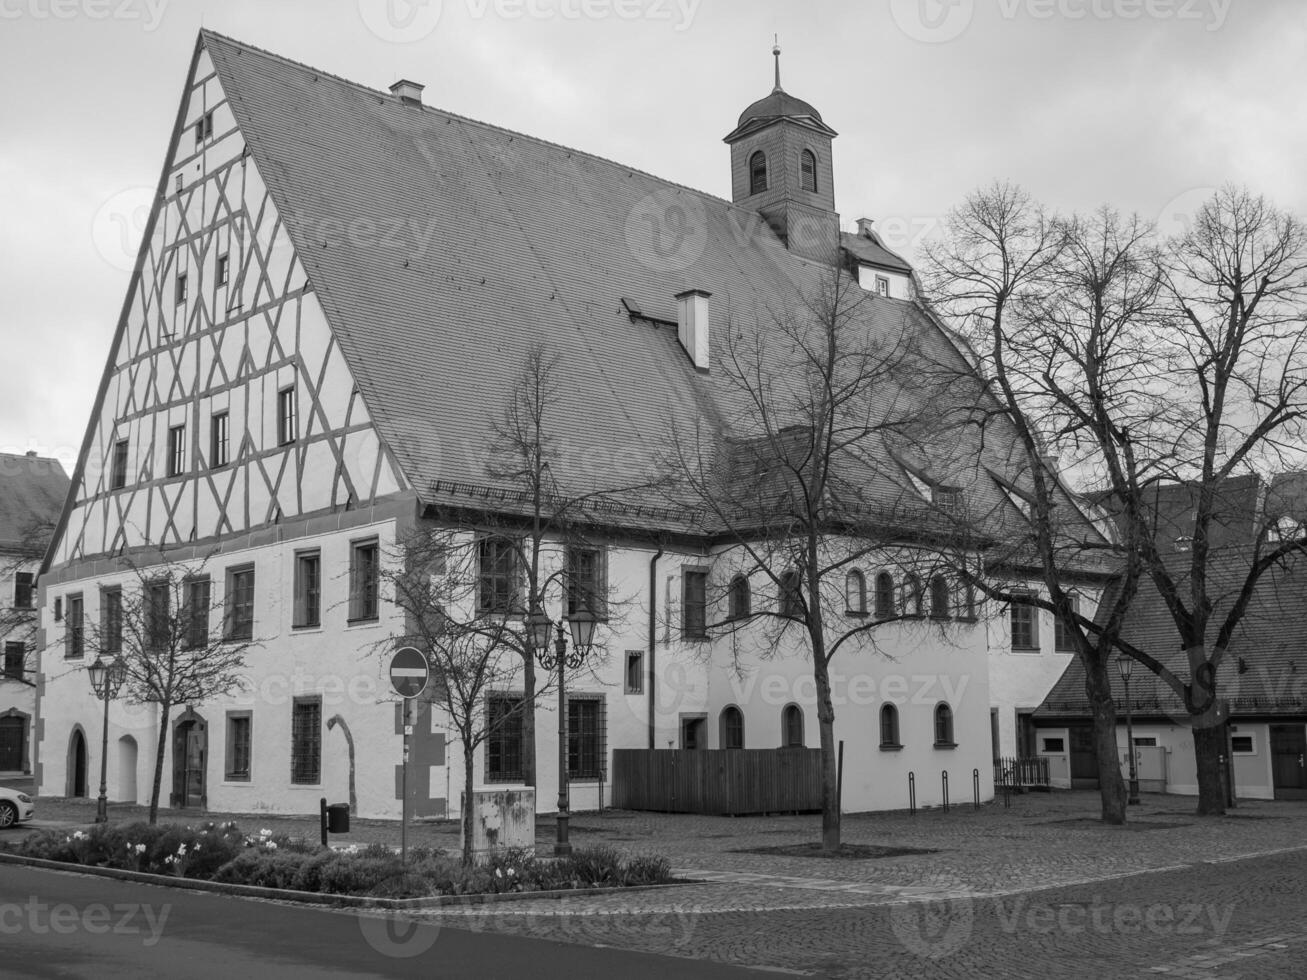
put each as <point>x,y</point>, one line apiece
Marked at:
<point>409,674</point>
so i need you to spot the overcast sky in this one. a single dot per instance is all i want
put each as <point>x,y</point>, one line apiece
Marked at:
<point>1143,104</point>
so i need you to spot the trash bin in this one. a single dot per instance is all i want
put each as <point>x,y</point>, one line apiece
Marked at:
<point>338,818</point>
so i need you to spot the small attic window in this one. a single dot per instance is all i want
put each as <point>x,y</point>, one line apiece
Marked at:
<point>882,286</point>
<point>204,128</point>
<point>222,270</point>
<point>758,172</point>
<point>181,288</point>
<point>808,171</point>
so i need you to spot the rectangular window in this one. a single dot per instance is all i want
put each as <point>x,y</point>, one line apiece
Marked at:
<point>221,272</point>
<point>308,589</point>
<point>118,468</point>
<point>286,423</point>
<point>73,628</point>
<point>585,737</point>
<point>176,450</point>
<point>882,286</point>
<point>180,297</point>
<point>497,576</point>
<point>240,726</point>
<point>219,446</point>
<point>15,655</point>
<point>158,627</point>
<point>504,742</point>
<point>1063,638</point>
<point>240,604</point>
<point>197,613</point>
<point>634,671</point>
<point>694,604</point>
<point>111,620</point>
<point>364,602</point>
<point>24,590</point>
<point>1146,741</point>
<point>587,585</point>
<point>306,741</point>
<point>1052,745</point>
<point>1243,745</point>
<point>204,128</point>
<point>1025,625</point>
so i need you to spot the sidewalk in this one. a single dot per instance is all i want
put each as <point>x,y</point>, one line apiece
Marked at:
<point>1042,841</point>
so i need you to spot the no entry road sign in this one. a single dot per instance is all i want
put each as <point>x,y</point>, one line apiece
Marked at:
<point>409,672</point>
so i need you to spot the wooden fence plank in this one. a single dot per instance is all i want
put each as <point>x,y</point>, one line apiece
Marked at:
<point>717,781</point>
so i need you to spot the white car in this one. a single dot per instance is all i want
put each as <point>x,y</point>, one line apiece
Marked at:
<point>15,807</point>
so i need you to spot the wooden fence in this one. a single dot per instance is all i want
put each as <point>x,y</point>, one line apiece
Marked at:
<point>717,781</point>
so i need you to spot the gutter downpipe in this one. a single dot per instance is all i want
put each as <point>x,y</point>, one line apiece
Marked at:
<point>653,640</point>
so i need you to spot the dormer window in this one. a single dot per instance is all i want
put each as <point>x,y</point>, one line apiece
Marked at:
<point>882,286</point>
<point>758,172</point>
<point>808,172</point>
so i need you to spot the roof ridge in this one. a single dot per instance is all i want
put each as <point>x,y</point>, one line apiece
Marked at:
<point>206,32</point>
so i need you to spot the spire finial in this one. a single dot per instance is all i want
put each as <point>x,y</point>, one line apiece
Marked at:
<point>776,51</point>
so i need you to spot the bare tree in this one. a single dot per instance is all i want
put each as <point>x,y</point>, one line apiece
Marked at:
<point>173,652</point>
<point>434,581</point>
<point>1150,370</point>
<point>801,483</point>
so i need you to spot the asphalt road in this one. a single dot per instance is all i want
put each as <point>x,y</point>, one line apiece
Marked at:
<point>56,924</point>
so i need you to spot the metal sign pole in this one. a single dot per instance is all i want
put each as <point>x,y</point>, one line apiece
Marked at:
<point>403,819</point>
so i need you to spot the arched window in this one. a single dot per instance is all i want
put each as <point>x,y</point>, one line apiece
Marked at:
<point>969,602</point>
<point>943,724</point>
<point>732,722</point>
<point>792,727</point>
<point>913,599</point>
<point>738,599</point>
<point>889,727</point>
<point>758,173</point>
<point>791,597</point>
<point>808,171</point>
<point>884,595</point>
<point>855,593</point>
<point>939,598</point>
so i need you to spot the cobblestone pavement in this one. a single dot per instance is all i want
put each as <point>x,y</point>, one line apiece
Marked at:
<point>1031,890</point>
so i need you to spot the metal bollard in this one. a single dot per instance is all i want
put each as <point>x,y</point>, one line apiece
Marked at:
<point>975,787</point>
<point>944,782</point>
<point>912,794</point>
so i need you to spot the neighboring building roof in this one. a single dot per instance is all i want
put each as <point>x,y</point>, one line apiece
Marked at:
<point>1265,669</point>
<point>869,249</point>
<point>32,491</point>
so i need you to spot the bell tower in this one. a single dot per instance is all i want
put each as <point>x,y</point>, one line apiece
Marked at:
<point>781,167</point>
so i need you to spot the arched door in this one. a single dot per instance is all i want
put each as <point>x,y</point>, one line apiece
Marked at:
<point>126,769</point>
<point>77,764</point>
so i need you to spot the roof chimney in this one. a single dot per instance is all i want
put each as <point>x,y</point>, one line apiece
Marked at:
<point>864,227</point>
<point>409,92</point>
<point>692,325</point>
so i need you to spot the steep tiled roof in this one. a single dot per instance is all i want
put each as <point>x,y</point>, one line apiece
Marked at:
<point>871,251</point>
<point>475,243</point>
<point>32,490</point>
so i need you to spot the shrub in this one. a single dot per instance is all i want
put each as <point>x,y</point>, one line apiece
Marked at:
<point>358,874</point>
<point>647,869</point>
<point>593,866</point>
<point>265,869</point>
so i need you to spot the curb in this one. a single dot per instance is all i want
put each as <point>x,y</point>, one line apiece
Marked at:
<point>317,898</point>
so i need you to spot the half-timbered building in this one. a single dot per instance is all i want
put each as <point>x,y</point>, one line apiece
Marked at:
<point>334,296</point>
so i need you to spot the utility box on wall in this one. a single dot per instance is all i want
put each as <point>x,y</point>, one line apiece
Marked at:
<point>502,820</point>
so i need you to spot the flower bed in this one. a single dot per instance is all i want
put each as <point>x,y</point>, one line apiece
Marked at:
<point>222,853</point>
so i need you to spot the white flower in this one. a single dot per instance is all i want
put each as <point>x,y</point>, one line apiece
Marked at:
<point>510,872</point>
<point>272,845</point>
<point>499,873</point>
<point>265,832</point>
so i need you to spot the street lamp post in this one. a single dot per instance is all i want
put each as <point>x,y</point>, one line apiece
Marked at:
<point>557,656</point>
<point>106,679</point>
<point>1125,665</point>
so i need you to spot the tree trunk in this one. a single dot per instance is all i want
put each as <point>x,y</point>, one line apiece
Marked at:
<point>468,756</point>
<point>1111,786</point>
<point>160,748</point>
<point>830,802</point>
<point>1209,746</point>
<point>529,722</point>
